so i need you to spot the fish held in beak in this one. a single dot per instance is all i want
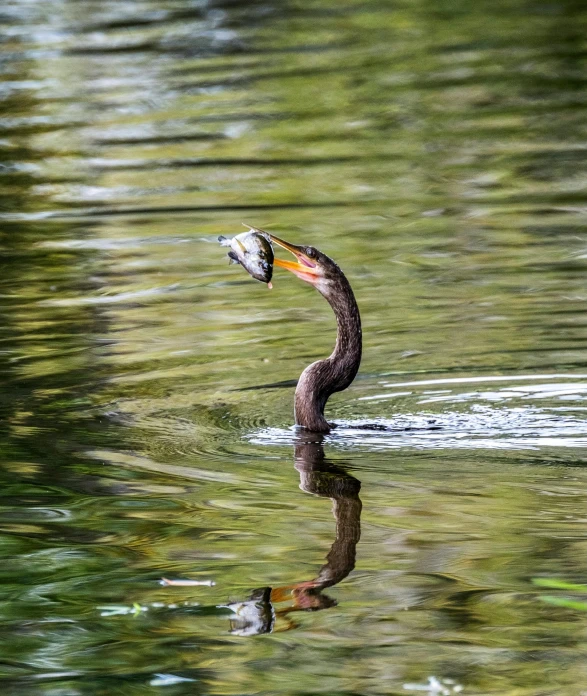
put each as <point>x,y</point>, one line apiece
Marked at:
<point>253,251</point>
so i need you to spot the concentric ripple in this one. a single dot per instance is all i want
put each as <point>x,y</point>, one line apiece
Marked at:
<point>515,424</point>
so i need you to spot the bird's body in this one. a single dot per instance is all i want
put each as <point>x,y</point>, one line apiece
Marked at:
<point>334,374</point>
<point>325,377</point>
<point>254,251</point>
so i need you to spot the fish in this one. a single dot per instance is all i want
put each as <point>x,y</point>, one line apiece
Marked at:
<point>253,251</point>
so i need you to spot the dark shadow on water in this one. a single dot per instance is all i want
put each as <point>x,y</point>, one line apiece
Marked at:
<point>272,385</point>
<point>171,210</point>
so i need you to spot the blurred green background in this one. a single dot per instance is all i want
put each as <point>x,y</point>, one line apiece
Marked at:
<point>436,150</point>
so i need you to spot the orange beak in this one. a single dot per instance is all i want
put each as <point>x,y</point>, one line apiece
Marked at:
<point>304,268</point>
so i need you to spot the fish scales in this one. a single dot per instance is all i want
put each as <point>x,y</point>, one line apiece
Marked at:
<point>253,251</point>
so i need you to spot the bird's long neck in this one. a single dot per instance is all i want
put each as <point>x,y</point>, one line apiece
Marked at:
<point>321,379</point>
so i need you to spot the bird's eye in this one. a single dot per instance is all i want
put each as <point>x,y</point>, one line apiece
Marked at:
<point>311,252</point>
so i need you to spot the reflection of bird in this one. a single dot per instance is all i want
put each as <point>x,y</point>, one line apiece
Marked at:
<point>253,616</point>
<point>324,377</point>
<point>327,480</point>
<point>258,614</point>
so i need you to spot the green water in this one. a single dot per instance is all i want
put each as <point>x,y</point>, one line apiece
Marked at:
<point>436,150</point>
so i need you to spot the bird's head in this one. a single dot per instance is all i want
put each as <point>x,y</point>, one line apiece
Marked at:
<point>310,265</point>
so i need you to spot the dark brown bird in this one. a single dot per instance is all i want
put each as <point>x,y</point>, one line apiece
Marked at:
<point>325,377</point>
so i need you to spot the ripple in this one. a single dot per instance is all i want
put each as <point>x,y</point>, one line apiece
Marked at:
<point>513,424</point>
<point>484,427</point>
<point>109,299</point>
<point>134,461</point>
<point>561,390</point>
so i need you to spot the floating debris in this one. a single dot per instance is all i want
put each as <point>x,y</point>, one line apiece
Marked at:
<point>168,680</point>
<point>121,610</point>
<point>136,608</point>
<point>186,583</point>
<point>436,687</point>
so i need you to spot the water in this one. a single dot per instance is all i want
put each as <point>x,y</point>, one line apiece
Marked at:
<point>437,151</point>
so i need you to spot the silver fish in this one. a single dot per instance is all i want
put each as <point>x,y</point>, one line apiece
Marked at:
<point>254,252</point>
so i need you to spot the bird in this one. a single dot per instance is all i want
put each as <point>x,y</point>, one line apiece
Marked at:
<point>323,378</point>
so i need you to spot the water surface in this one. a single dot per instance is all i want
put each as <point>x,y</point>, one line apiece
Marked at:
<point>437,151</point>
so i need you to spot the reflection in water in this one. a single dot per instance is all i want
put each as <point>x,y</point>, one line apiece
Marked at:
<point>327,480</point>
<point>317,476</point>
<point>258,614</point>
